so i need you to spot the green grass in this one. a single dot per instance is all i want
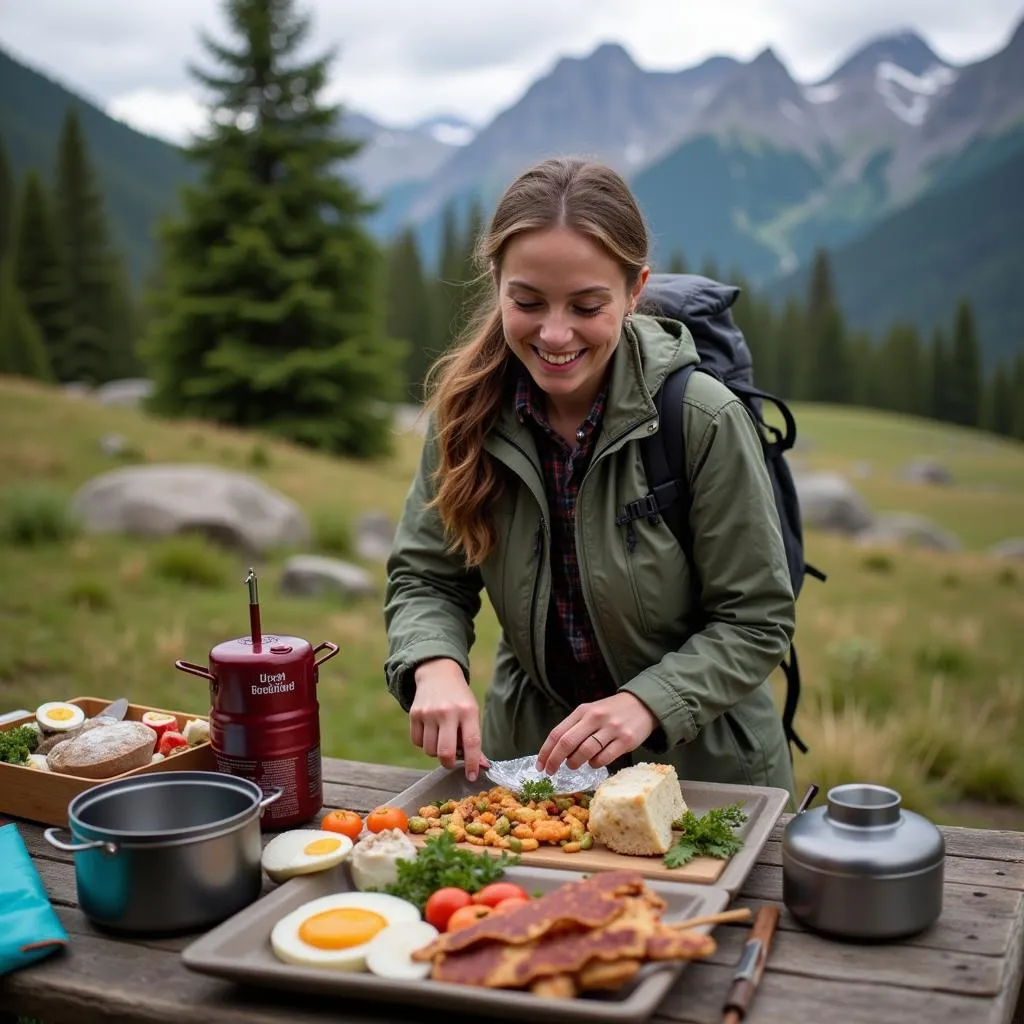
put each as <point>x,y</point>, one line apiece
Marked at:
<point>912,661</point>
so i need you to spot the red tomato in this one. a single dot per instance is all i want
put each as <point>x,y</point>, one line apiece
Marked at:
<point>506,905</point>
<point>348,823</point>
<point>171,741</point>
<point>465,916</point>
<point>443,903</point>
<point>497,892</point>
<point>387,817</point>
<point>160,723</point>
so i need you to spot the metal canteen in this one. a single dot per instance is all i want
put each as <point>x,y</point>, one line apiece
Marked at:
<point>862,867</point>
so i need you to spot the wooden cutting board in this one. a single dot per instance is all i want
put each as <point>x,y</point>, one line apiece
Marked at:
<point>700,870</point>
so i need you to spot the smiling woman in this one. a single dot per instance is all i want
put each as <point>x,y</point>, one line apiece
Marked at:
<point>606,657</point>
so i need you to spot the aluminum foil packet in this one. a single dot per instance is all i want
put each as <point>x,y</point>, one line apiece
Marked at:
<point>512,775</point>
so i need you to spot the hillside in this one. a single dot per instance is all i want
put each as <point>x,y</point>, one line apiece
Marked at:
<point>965,237</point>
<point>911,661</point>
<point>139,175</point>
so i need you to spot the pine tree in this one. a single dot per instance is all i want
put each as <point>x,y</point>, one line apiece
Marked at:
<point>410,314</point>
<point>677,263</point>
<point>965,369</point>
<point>7,202</point>
<point>96,346</point>
<point>22,350</point>
<point>828,368</point>
<point>900,379</point>
<point>1017,429</point>
<point>448,291</point>
<point>998,406</point>
<point>942,386</point>
<point>790,351</point>
<point>271,315</point>
<point>39,270</point>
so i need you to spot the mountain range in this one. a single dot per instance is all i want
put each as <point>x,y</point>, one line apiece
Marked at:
<point>899,162</point>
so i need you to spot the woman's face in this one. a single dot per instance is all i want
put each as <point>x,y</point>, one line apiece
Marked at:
<point>562,300</point>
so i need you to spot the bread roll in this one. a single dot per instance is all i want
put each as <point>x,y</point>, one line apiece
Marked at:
<point>632,811</point>
<point>103,753</point>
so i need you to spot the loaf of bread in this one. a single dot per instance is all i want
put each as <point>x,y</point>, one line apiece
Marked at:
<point>632,811</point>
<point>102,753</point>
<point>47,743</point>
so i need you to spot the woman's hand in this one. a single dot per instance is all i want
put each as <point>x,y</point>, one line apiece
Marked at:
<point>445,717</point>
<point>597,733</point>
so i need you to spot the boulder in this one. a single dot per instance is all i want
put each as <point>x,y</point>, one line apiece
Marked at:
<point>927,471</point>
<point>129,391</point>
<point>232,508</point>
<point>375,534</point>
<point>828,502</point>
<point>1009,550</point>
<point>904,529</point>
<point>312,575</point>
<point>113,445</point>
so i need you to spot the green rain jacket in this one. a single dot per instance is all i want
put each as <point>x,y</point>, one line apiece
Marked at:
<point>708,686</point>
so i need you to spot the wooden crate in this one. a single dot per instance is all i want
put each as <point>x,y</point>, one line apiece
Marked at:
<point>43,797</point>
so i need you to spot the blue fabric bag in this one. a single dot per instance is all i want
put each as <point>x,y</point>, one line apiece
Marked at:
<point>29,926</point>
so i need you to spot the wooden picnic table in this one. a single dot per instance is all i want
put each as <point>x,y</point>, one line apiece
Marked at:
<point>967,969</point>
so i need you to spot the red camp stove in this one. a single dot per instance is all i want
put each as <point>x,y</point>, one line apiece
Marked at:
<point>265,716</point>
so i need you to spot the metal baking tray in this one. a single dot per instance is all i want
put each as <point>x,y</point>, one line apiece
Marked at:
<point>239,950</point>
<point>762,804</point>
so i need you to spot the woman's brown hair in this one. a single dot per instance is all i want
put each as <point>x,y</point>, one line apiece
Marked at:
<point>467,383</point>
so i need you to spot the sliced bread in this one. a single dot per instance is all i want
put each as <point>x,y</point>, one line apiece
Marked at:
<point>103,753</point>
<point>632,811</point>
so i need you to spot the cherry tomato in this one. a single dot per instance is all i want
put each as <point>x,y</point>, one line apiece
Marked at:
<point>348,823</point>
<point>387,817</point>
<point>443,903</point>
<point>170,741</point>
<point>497,892</point>
<point>512,904</point>
<point>465,916</point>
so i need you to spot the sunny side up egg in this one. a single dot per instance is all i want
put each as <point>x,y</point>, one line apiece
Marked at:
<point>336,931</point>
<point>303,851</point>
<point>59,716</point>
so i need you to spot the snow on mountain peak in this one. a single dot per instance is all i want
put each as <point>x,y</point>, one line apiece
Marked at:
<point>908,95</point>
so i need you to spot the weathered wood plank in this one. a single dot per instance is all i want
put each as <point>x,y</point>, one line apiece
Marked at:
<point>782,999</point>
<point>387,778</point>
<point>980,844</point>
<point>801,953</point>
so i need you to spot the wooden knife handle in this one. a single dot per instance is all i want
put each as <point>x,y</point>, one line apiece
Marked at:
<point>748,976</point>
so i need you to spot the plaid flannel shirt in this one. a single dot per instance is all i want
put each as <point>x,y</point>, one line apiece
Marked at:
<point>575,665</point>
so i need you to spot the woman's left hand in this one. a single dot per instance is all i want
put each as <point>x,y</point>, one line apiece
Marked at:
<point>597,733</point>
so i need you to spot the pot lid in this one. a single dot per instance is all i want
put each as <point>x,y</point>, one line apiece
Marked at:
<point>863,830</point>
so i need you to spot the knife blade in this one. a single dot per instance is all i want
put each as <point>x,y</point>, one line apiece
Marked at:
<point>116,710</point>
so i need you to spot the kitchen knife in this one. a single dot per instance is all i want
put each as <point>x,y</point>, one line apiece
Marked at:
<point>115,710</point>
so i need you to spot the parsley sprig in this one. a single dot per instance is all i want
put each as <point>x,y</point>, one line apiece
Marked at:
<point>710,835</point>
<point>536,789</point>
<point>440,863</point>
<point>16,744</point>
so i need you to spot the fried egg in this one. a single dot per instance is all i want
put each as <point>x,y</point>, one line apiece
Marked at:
<point>303,851</point>
<point>390,953</point>
<point>59,716</point>
<point>337,931</point>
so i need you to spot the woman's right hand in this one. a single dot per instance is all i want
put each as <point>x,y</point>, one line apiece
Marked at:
<point>445,717</point>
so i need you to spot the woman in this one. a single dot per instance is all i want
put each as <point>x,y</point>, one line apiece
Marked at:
<point>530,457</point>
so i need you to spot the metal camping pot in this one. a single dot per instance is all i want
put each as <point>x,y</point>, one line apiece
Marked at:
<point>862,867</point>
<point>166,853</point>
<point>265,716</point>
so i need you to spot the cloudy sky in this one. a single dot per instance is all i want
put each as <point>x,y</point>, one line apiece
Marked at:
<point>403,60</point>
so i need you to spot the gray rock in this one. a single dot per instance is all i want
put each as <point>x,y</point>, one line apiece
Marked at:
<point>129,391</point>
<point>829,502</point>
<point>375,535</point>
<point>311,575</point>
<point>904,529</point>
<point>232,508</point>
<point>927,471</point>
<point>113,445</point>
<point>76,389</point>
<point>1009,550</point>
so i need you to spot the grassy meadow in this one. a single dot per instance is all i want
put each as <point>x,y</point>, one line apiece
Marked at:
<point>913,661</point>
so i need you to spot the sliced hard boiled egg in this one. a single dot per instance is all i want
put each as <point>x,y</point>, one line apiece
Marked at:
<point>336,931</point>
<point>59,716</point>
<point>390,953</point>
<point>303,851</point>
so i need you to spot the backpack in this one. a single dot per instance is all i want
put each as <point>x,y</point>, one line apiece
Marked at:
<point>704,307</point>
